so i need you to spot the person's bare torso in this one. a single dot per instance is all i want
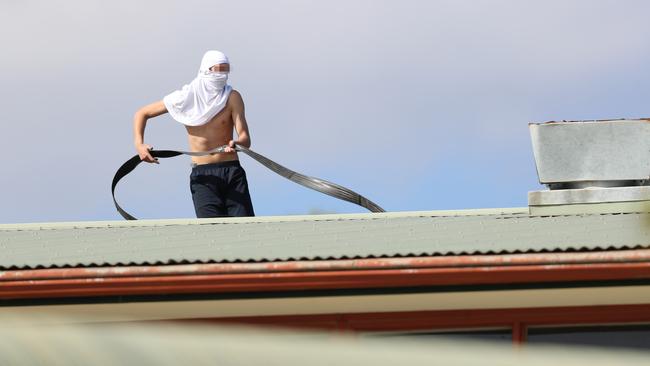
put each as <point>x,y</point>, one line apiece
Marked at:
<point>217,132</point>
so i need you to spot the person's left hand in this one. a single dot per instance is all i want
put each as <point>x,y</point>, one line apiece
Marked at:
<point>231,147</point>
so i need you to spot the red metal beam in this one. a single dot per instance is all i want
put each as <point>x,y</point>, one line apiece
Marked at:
<point>519,333</point>
<point>518,319</point>
<point>86,282</point>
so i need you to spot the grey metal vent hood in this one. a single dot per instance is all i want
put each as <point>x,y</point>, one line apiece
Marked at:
<point>591,166</point>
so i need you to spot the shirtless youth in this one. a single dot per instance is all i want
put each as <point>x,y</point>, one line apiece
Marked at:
<point>210,109</point>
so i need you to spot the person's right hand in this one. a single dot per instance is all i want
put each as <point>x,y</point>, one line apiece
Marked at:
<point>145,155</point>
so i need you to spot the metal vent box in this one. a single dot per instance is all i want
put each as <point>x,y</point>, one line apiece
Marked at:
<point>603,150</point>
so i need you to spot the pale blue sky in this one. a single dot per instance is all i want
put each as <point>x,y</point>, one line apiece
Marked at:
<point>419,105</point>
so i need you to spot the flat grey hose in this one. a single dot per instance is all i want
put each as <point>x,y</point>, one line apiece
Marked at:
<point>317,184</point>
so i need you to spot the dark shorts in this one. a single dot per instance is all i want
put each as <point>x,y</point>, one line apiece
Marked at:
<point>220,189</point>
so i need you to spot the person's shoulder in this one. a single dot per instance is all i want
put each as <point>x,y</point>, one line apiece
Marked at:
<point>235,97</point>
<point>235,93</point>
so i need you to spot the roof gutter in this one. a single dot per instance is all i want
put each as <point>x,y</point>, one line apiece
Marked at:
<point>326,274</point>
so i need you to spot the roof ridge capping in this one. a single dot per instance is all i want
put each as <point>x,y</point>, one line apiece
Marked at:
<point>264,219</point>
<point>591,166</point>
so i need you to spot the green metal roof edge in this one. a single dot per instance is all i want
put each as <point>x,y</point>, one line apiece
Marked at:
<point>262,219</point>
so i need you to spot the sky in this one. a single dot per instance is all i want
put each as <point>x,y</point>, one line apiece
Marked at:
<point>417,105</point>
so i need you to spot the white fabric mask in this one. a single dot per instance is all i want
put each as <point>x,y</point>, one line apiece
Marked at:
<point>197,102</point>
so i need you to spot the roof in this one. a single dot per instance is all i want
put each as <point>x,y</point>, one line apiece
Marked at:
<point>287,238</point>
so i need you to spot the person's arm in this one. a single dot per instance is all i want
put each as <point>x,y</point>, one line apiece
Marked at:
<point>140,122</point>
<point>239,120</point>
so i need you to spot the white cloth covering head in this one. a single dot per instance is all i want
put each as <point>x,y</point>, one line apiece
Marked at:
<point>197,102</point>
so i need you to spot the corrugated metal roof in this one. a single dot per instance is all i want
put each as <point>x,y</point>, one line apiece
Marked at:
<point>315,237</point>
